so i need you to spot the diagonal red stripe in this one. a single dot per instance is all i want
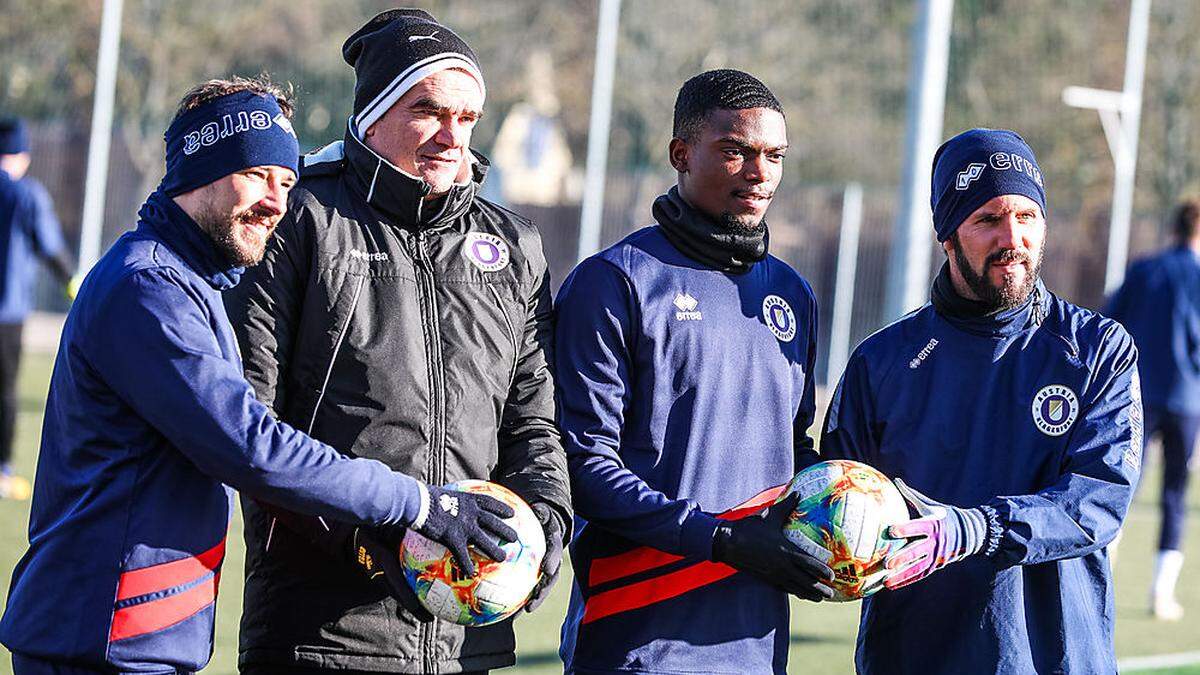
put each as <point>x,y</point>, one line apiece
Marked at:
<point>654,590</point>
<point>169,575</point>
<point>645,558</point>
<point>158,614</point>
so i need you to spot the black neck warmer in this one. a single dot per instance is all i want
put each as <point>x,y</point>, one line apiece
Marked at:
<point>704,240</point>
<point>949,303</point>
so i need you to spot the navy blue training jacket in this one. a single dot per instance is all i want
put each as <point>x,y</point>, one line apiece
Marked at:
<point>28,230</point>
<point>1035,412</point>
<point>1159,304</point>
<point>148,419</point>
<point>685,393</point>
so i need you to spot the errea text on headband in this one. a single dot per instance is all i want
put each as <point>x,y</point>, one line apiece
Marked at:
<point>224,136</point>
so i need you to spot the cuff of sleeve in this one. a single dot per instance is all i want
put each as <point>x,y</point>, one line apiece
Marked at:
<point>423,510</point>
<point>995,530</point>
<point>696,537</point>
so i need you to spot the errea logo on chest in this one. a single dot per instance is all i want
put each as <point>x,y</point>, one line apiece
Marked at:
<point>685,306</point>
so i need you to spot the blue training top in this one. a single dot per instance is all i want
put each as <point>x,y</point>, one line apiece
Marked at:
<point>148,417</point>
<point>1035,412</point>
<point>1159,304</point>
<point>28,230</point>
<point>685,392</point>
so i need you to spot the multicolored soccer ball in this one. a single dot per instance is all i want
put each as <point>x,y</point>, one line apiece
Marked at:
<point>846,507</point>
<point>498,589</point>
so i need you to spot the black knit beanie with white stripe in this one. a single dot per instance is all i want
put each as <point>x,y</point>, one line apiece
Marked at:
<point>394,51</point>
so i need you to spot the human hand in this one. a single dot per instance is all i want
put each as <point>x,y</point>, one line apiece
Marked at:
<point>457,519</point>
<point>940,535</point>
<point>552,527</point>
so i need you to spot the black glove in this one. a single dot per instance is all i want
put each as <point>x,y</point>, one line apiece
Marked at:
<point>757,545</point>
<point>374,551</point>
<point>552,526</point>
<point>380,561</point>
<point>458,519</point>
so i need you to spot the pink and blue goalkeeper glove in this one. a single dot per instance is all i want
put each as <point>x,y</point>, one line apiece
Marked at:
<point>940,534</point>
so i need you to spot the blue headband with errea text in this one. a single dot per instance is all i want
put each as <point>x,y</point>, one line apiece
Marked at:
<point>224,136</point>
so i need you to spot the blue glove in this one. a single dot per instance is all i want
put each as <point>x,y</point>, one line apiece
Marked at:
<point>458,519</point>
<point>940,534</point>
<point>552,526</point>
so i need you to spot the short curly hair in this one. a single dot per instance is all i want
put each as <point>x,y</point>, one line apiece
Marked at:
<point>214,89</point>
<point>722,89</point>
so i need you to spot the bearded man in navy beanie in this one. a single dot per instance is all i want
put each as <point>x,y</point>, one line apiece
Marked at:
<point>1012,423</point>
<point>400,316</point>
<point>150,424</point>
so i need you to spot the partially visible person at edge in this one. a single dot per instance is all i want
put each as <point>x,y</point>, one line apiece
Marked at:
<point>398,315</point>
<point>1019,415</point>
<point>1159,304</point>
<point>29,231</point>
<point>685,359</point>
<point>150,422</point>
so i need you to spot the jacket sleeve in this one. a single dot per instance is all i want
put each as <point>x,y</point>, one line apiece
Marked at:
<point>532,461</point>
<point>594,339</point>
<point>264,309</point>
<point>157,350</point>
<point>45,233</point>
<point>848,431</point>
<point>1083,510</point>
<point>802,444</point>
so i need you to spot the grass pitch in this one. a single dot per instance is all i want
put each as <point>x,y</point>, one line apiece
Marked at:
<point>822,635</point>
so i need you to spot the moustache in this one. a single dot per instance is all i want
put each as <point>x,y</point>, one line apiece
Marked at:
<point>1007,257</point>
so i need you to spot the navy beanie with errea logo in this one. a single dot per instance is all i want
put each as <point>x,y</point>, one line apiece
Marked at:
<point>977,165</point>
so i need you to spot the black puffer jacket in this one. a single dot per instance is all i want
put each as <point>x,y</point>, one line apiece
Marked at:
<point>416,337</point>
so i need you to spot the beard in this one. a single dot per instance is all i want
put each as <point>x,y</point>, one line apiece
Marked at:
<point>241,245</point>
<point>745,225</point>
<point>1009,293</point>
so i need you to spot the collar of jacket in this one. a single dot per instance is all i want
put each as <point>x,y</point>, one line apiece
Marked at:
<point>400,196</point>
<point>176,229</point>
<point>975,317</point>
<point>704,240</point>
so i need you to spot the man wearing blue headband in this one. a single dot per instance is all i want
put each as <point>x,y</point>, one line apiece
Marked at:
<point>1012,423</point>
<point>150,422</point>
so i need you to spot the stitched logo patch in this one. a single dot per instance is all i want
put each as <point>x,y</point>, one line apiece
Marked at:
<point>779,318</point>
<point>1055,408</point>
<point>686,305</point>
<point>486,251</point>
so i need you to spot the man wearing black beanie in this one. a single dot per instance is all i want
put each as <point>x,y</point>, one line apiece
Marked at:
<point>1011,421</point>
<point>400,316</point>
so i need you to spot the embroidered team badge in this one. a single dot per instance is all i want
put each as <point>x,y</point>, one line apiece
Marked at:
<point>1054,409</point>
<point>486,251</point>
<point>779,318</point>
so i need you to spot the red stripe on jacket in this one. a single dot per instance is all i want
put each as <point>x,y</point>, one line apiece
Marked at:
<point>154,615</point>
<point>644,558</point>
<point>667,586</point>
<point>163,576</point>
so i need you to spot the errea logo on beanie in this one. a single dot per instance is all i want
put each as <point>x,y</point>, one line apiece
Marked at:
<point>224,136</point>
<point>394,51</point>
<point>977,165</point>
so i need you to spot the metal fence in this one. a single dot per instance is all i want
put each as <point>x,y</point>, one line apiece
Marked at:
<point>840,69</point>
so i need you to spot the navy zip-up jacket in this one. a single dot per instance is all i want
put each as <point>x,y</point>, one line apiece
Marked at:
<point>685,394</point>
<point>148,420</point>
<point>1159,304</point>
<point>1035,412</point>
<point>28,231</point>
